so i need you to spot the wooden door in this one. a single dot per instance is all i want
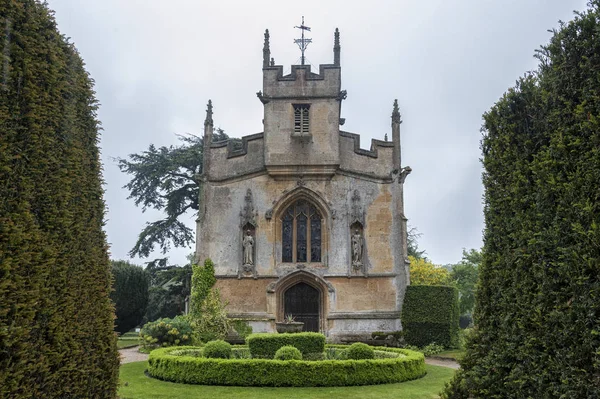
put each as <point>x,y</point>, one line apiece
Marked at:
<point>303,302</point>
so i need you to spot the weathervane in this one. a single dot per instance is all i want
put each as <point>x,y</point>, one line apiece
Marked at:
<point>302,43</point>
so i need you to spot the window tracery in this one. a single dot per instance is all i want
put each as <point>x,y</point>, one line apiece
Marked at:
<point>301,233</point>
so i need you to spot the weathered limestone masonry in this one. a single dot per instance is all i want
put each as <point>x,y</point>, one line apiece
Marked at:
<point>301,220</point>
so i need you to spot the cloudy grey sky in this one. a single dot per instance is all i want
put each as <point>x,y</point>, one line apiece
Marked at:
<point>156,63</point>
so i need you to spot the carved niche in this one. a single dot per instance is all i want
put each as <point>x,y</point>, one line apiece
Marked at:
<point>357,242</point>
<point>248,216</point>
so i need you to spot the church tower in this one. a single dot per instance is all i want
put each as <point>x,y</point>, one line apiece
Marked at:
<point>300,219</point>
<point>301,118</point>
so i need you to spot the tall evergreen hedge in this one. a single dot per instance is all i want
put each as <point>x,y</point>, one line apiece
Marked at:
<point>129,294</point>
<point>538,302</point>
<point>56,318</point>
<point>430,314</point>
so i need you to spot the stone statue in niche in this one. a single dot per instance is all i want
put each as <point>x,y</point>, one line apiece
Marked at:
<point>248,249</point>
<point>248,216</point>
<point>357,250</point>
<point>357,244</point>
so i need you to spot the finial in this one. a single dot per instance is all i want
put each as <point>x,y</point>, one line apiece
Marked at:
<point>266,50</point>
<point>209,114</point>
<point>396,113</point>
<point>303,42</point>
<point>336,48</point>
<point>272,61</point>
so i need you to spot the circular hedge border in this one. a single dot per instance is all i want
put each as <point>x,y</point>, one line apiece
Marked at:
<point>285,373</point>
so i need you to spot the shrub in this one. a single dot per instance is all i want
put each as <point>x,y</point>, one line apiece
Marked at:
<point>130,294</point>
<point>217,349</point>
<point>167,332</point>
<point>314,356</point>
<point>188,352</point>
<point>241,327</point>
<point>430,314</point>
<point>288,352</point>
<point>240,352</point>
<point>359,351</point>
<point>386,355</point>
<point>265,345</point>
<point>432,349</point>
<point>213,323</point>
<point>57,335</point>
<point>262,372</point>
<point>537,317</point>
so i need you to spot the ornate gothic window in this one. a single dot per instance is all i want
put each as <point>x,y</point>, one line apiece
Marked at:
<point>301,233</point>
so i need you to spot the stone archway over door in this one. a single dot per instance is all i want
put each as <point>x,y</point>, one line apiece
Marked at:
<point>304,303</point>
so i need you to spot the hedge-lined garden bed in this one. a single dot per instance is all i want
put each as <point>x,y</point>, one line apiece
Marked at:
<point>165,365</point>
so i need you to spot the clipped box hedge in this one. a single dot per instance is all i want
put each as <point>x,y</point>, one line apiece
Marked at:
<point>265,345</point>
<point>164,365</point>
<point>431,314</point>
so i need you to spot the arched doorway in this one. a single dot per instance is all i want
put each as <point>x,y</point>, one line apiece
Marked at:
<point>304,303</point>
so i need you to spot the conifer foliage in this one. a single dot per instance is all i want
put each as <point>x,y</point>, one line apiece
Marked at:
<point>129,294</point>
<point>56,318</point>
<point>537,316</point>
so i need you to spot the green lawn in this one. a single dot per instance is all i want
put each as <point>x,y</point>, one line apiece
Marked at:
<point>135,384</point>
<point>127,341</point>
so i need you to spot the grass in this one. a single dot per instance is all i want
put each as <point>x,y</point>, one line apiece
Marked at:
<point>136,385</point>
<point>127,341</point>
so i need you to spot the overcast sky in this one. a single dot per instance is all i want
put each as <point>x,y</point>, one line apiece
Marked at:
<point>156,64</point>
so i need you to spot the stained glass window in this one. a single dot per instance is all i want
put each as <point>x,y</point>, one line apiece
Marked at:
<point>287,237</point>
<point>315,238</point>
<point>301,233</point>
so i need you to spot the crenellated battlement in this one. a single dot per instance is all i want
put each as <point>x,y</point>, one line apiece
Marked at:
<point>301,82</point>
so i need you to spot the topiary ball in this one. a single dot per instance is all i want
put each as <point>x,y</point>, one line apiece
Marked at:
<point>288,352</point>
<point>359,351</point>
<point>217,350</point>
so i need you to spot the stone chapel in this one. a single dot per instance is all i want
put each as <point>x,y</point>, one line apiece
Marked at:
<point>300,220</point>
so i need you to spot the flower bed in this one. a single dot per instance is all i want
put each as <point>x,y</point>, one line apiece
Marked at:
<point>166,365</point>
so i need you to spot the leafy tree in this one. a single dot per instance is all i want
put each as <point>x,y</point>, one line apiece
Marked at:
<point>56,318</point>
<point>537,331</point>
<point>423,272</point>
<point>130,294</point>
<point>413,245</point>
<point>464,275</point>
<point>166,179</point>
<point>170,286</point>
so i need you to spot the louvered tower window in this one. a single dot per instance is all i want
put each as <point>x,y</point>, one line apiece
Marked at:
<point>301,124</point>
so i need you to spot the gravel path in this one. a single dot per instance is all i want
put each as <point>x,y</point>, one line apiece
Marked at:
<point>442,362</point>
<point>130,355</point>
